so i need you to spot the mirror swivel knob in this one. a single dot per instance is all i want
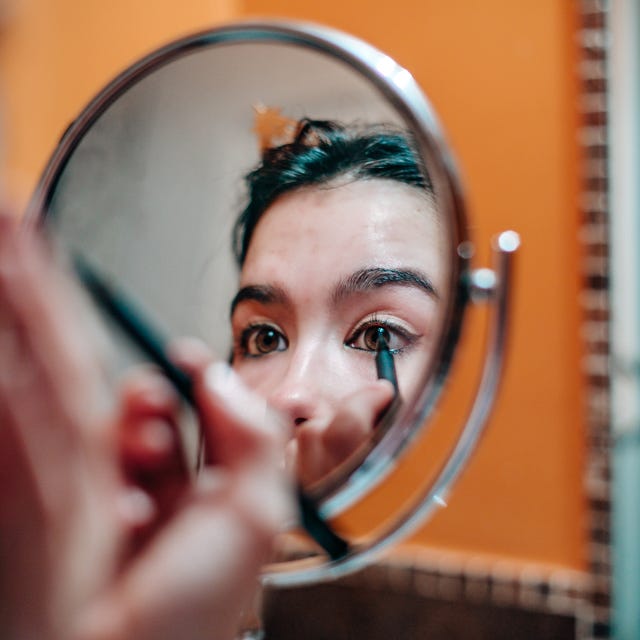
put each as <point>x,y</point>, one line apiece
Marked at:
<point>483,283</point>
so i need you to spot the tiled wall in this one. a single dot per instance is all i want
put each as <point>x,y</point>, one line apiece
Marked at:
<point>443,601</point>
<point>594,236</point>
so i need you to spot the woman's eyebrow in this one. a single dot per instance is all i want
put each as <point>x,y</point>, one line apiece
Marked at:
<point>263,293</point>
<point>376,277</point>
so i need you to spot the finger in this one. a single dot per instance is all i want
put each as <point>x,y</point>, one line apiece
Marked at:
<point>226,526</point>
<point>48,382</point>
<point>51,403</point>
<point>323,445</point>
<point>241,427</point>
<point>29,410</point>
<point>144,391</point>
<point>193,356</point>
<point>291,457</point>
<point>148,420</point>
<point>249,441</point>
<point>312,462</point>
<point>53,391</point>
<point>356,418</point>
<point>151,450</point>
<point>24,547</point>
<point>192,581</point>
<point>18,491</point>
<point>47,312</point>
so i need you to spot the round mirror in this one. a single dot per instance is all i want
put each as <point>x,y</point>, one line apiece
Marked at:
<point>282,192</point>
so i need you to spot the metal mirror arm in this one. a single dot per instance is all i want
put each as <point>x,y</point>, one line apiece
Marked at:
<point>490,285</point>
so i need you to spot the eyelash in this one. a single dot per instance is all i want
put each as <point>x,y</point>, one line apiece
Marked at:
<point>391,327</point>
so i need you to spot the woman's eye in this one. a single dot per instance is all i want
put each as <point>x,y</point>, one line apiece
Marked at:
<point>262,340</point>
<point>371,335</point>
<point>366,338</point>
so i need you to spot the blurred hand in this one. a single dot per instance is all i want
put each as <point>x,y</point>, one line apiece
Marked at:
<point>90,552</point>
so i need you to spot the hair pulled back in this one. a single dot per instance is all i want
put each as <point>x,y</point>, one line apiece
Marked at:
<point>322,152</point>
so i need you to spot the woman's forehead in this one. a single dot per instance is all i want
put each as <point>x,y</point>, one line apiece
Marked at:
<point>372,220</point>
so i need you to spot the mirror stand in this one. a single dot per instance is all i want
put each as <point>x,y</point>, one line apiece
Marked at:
<point>492,286</point>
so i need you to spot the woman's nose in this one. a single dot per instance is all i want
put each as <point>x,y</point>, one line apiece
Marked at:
<point>298,400</point>
<point>304,391</point>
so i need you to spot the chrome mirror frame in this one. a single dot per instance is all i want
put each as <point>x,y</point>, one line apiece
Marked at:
<point>400,90</point>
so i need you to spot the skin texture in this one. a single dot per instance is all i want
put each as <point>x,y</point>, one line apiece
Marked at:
<point>103,536</point>
<point>299,330</point>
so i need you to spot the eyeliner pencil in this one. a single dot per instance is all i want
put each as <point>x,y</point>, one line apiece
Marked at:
<point>384,361</point>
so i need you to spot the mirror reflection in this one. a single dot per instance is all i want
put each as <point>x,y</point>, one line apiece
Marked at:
<point>290,226</point>
<point>339,244</point>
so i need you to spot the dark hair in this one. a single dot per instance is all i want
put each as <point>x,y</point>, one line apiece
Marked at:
<point>323,151</point>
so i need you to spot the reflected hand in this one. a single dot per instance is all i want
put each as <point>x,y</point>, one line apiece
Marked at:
<point>322,443</point>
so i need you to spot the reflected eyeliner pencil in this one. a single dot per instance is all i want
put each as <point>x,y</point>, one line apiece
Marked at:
<point>384,361</point>
<point>149,341</point>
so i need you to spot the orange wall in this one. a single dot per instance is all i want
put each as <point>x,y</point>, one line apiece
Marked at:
<point>500,74</point>
<point>56,54</point>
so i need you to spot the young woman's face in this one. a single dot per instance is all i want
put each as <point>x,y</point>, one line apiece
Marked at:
<point>326,267</point>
